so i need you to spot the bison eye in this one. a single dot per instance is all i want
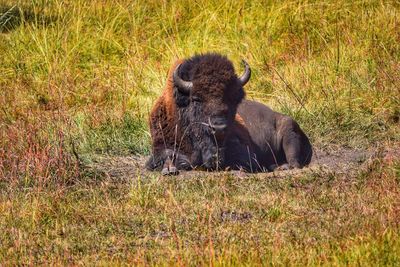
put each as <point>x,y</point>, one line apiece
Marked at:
<point>196,99</point>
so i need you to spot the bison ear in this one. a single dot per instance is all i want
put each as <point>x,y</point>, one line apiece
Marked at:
<point>181,100</point>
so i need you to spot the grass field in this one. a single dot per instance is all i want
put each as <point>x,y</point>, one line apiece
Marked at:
<point>78,78</point>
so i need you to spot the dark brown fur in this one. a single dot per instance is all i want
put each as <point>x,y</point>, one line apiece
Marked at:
<point>183,139</point>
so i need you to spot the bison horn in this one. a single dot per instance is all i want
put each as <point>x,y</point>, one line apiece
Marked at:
<point>246,74</point>
<point>183,86</point>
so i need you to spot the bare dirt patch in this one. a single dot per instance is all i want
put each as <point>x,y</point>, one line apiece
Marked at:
<point>331,159</point>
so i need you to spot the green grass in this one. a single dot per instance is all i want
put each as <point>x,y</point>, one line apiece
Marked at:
<point>78,78</point>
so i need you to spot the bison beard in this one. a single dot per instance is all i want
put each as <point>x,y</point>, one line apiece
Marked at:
<point>201,121</point>
<point>208,150</point>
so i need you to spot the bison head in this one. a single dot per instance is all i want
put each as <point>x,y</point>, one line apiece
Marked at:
<point>207,93</point>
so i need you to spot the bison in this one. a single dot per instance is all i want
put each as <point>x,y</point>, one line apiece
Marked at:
<point>203,121</point>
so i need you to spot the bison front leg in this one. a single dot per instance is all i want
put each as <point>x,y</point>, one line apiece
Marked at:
<point>168,162</point>
<point>169,168</point>
<point>213,158</point>
<point>210,154</point>
<point>207,153</point>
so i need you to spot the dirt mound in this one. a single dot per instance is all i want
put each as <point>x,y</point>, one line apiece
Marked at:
<point>332,159</point>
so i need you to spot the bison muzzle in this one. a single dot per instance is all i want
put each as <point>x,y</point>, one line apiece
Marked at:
<point>203,121</point>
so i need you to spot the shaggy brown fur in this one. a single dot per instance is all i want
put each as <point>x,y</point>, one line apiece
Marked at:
<point>177,121</point>
<point>183,124</point>
<point>164,127</point>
